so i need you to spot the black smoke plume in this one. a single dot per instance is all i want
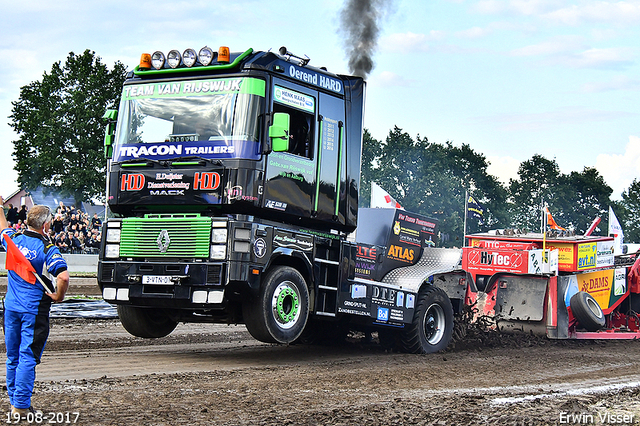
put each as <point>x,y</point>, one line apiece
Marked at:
<point>360,21</point>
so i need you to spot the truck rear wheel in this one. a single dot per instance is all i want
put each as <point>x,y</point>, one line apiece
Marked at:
<point>432,325</point>
<point>280,312</point>
<point>146,322</point>
<point>587,311</point>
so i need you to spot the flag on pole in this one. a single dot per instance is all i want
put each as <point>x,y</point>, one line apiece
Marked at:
<point>18,263</point>
<point>615,231</point>
<point>551,223</point>
<point>593,226</point>
<point>381,198</point>
<point>475,210</point>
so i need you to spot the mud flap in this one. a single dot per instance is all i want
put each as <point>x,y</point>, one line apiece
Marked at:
<point>520,298</point>
<point>564,283</point>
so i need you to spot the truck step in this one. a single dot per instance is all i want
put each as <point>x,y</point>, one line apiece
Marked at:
<point>325,261</point>
<point>326,287</point>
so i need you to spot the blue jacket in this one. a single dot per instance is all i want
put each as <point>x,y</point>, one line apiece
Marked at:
<point>45,259</point>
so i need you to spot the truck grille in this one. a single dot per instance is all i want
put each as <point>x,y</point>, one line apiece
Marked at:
<point>166,236</point>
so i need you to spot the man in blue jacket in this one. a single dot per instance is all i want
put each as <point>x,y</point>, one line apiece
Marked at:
<point>26,306</point>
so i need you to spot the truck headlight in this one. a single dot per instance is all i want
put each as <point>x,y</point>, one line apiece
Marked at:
<point>218,252</point>
<point>113,235</point>
<point>112,251</point>
<point>219,235</point>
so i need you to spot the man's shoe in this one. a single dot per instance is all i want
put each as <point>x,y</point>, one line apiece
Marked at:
<point>23,412</point>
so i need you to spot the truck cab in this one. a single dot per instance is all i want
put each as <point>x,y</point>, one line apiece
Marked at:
<point>224,167</point>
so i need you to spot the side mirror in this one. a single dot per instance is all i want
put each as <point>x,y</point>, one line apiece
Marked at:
<point>279,132</point>
<point>111,115</point>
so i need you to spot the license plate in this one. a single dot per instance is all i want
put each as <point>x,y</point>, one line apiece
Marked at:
<point>157,279</point>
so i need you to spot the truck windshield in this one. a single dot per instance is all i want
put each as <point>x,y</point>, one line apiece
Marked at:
<point>208,118</point>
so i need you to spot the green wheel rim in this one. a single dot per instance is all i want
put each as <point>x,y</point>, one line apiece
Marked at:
<point>285,305</point>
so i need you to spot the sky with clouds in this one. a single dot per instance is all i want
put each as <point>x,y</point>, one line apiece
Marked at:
<point>510,78</point>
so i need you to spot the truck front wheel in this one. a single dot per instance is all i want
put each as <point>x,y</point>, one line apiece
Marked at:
<point>280,312</point>
<point>146,322</point>
<point>432,325</point>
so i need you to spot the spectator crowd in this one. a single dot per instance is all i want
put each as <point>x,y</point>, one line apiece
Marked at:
<point>72,230</point>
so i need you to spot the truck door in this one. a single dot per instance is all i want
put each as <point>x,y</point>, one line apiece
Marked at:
<point>291,174</point>
<point>330,159</point>
<point>304,181</point>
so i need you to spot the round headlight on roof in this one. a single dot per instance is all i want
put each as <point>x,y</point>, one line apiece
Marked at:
<point>157,60</point>
<point>189,57</point>
<point>205,55</point>
<point>173,58</point>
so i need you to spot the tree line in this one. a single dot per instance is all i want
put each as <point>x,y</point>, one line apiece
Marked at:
<point>432,179</point>
<point>59,148</point>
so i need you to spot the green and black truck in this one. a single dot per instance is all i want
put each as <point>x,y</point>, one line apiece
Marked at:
<point>233,179</point>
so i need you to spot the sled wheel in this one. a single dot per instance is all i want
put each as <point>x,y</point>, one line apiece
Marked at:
<point>279,313</point>
<point>587,311</point>
<point>146,322</point>
<point>432,325</point>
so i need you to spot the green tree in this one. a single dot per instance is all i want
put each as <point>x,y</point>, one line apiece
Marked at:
<point>585,197</point>
<point>627,212</point>
<point>537,185</point>
<point>59,126</point>
<point>574,200</point>
<point>431,179</point>
<point>370,152</point>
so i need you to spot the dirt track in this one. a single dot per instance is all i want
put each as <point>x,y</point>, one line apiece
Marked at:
<point>217,375</point>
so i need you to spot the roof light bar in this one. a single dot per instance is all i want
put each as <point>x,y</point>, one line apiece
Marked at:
<point>174,58</point>
<point>189,57</point>
<point>206,55</point>
<point>157,60</point>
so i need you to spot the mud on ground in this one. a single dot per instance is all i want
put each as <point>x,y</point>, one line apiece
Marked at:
<point>206,374</point>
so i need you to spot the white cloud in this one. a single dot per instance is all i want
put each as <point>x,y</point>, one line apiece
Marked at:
<point>519,7</point>
<point>532,7</point>
<point>572,52</point>
<point>604,34</point>
<point>552,119</point>
<point>409,42</point>
<point>614,12</point>
<point>621,82</point>
<point>504,168</point>
<point>553,46</point>
<point>560,12</point>
<point>619,170</point>
<point>611,58</point>
<point>388,79</point>
<point>475,32</point>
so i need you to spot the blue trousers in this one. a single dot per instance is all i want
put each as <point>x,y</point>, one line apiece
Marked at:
<point>25,336</point>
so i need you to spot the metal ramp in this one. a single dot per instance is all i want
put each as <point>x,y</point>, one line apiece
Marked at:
<point>433,261</point>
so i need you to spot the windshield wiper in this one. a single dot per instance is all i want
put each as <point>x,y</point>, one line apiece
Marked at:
<point>139,162</point>
<point>196,158</point>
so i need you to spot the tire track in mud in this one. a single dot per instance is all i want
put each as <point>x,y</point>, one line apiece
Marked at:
<point>218,375</point>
